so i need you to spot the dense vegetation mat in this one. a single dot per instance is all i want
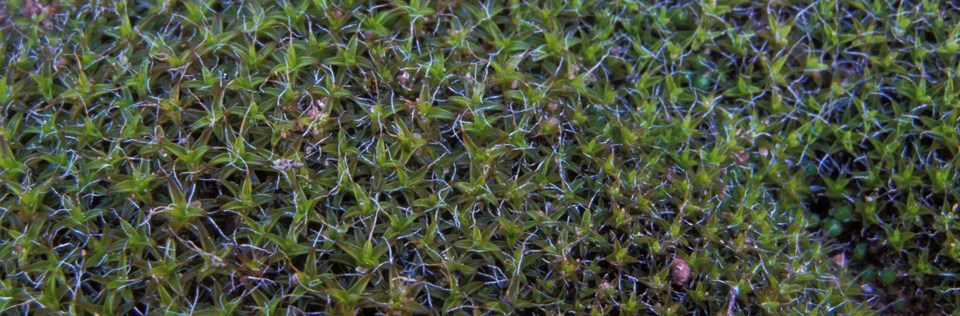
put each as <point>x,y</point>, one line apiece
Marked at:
<point>696,157</point>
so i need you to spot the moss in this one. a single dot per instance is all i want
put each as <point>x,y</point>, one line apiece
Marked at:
<point>458,156</point>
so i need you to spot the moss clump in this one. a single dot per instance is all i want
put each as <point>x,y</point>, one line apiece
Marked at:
<point>413,156</point>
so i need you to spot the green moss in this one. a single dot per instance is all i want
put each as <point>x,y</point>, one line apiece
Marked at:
<point>842,213</point>
<point>832,227</point>
<point>868,275</point>
<point>860,251</point>
<point>888,276</point>
<point>409,156</point>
